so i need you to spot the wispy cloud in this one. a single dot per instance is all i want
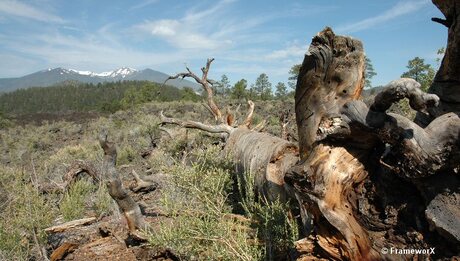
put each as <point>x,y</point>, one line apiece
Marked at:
<point>293,50</point>
<point>197,29</point>
<point>401,8</point>
<point>143,4</point>
<point>19,9</point>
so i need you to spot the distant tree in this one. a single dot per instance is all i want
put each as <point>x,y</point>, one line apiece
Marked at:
<point>239,90</point>
<point>224,86</point>
<point>421,72</point>
<point>252,93</point>
<point>281,90</point>
<point>263,87</point>
<point>293,74</point>
<point>189,94</point>
<point>369,73</point>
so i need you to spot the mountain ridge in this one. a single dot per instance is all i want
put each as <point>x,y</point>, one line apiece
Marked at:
<point>53,76</point>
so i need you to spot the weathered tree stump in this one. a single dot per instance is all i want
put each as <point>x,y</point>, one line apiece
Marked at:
<point>355,159</point>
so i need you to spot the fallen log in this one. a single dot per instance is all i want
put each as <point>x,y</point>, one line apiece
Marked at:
<point>261,155</point>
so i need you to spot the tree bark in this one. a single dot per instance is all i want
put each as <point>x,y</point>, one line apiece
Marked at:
<point>446,83</point>
<point>127,205</point>
<point>354,158</point>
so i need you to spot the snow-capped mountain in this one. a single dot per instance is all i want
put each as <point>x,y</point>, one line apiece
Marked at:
<point>122,72</point>
<point>54,76</point>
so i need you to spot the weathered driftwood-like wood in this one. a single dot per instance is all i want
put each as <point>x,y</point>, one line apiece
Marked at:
<point>62,250</point>
<point>333,61</point>
<point>207,86</point>
<point>346,146</point>
<point>414,152</point>
<point>127,205</point>
<point>77,169</point>
<point>265,157</point>
<point>446,83</point>
<point>324,182</point>
<point>70,224</point>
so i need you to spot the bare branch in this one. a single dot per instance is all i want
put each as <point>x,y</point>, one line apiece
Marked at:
<point>259,127</point>
<point>76,170</point>
<point>221,128</point>
<point>70,224</point>
<point>142,185</point>
<point>444,22</point>
<point>248,121</point>
<point>404,88</point>
<point>206,84</point>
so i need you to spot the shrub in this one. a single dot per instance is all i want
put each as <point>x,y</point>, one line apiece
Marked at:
<point>203,228</point>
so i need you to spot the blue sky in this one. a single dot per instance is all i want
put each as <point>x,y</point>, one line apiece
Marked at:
<point>246,38</point>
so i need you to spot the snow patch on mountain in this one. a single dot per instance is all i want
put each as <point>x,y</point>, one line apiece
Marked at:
<point>121,72</point>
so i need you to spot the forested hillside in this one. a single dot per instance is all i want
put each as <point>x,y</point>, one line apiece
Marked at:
<point>101,97</point>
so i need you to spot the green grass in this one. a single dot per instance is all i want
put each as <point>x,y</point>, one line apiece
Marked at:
<point>202,225</point>
<point>24,214</point>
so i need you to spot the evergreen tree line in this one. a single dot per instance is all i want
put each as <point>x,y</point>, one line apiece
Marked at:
<point>260,90</point>
<point>101,97</point>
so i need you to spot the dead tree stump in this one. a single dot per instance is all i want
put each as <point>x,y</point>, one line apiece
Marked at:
<point>357,164</point>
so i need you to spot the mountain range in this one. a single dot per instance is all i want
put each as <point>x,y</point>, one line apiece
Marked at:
<point>54,76</point>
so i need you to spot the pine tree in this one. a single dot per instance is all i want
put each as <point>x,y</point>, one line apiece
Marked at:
<point>421,72</point>
<point>369,73</point>
<point>263,87</point>
<point>239,90</point>
<point>281,90</point>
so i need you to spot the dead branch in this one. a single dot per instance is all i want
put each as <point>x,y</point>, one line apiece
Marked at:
<point>70,224</point>
<point>248,121</point>
<point>415,152</point>
<point>206,84</point>
<point>141,184</point>
<point>127,205</point>
<point>260,126</point>
<point>76,170</point>
<point>404,88</point>
<point>221,128</point>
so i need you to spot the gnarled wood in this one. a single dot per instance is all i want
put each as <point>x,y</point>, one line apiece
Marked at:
<point>414,152</point>
<point>446,83</point>
<point>265,157</point>
<point>346,146</point>
<point>206,84</point>
<point>333,61</point>
<point>127,205</point>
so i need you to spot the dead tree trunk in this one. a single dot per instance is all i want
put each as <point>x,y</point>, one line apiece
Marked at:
<point>352,155</point>
<point>446,83</point>
<point>127,205</point>
<point>266,157</point>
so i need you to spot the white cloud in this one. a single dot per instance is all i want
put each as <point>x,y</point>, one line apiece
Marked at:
<point>401,8</point>
<point>163,27</point>
<point>18,9</point>
<point>290,51</point>
<point>195,30</point>
<point>143,4</point>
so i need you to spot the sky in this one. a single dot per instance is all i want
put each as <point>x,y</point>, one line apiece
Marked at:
<point>246,38</point>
